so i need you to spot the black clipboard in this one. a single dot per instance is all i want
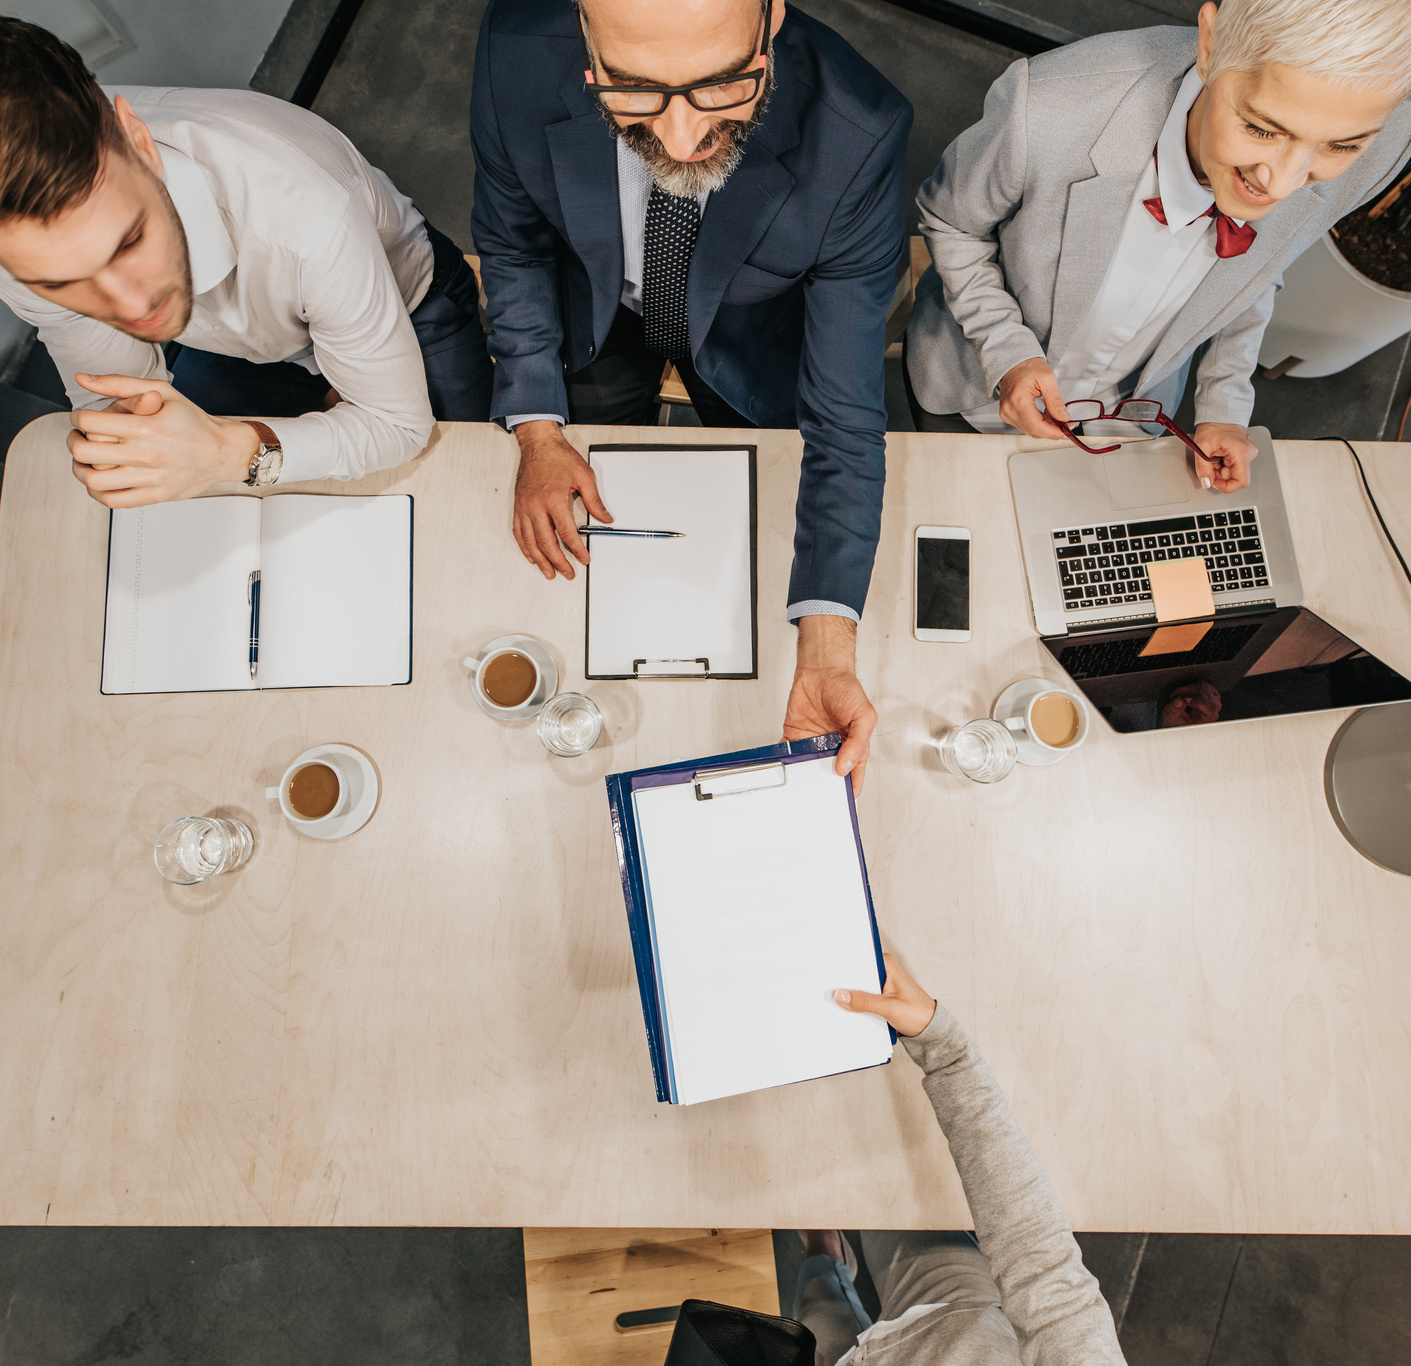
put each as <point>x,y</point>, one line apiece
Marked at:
<point>647,670</point>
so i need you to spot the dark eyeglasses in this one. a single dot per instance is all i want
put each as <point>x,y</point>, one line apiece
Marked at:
<point>1128,410</point>
<point>710,97</point>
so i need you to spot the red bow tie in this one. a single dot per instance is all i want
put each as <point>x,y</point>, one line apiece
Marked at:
<point>1231,238</point>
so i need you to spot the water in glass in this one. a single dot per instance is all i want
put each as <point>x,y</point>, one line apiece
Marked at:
<point>194,848</point>
<point>983,751</point>
<point>570,724</point>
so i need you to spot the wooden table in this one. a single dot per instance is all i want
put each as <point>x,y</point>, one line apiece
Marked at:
<point>1192,989</point>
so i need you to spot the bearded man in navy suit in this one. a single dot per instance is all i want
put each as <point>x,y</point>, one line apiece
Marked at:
<point>719,183</point>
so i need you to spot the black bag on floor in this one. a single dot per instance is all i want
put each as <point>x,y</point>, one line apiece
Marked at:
<point>709,1334</point>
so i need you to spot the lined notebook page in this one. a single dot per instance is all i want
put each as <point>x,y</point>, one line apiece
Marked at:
<point>178,619</point>
<point>758,912</point>
<point>672,599</point>
<point>336,600</point>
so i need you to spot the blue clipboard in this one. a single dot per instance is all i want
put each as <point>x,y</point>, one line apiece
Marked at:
<point>620,787</point>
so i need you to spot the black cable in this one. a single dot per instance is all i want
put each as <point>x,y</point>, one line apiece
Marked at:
<point>1386,531</point>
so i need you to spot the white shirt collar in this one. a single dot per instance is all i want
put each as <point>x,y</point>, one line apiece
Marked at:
<point>1183,197</point>
<point>212,252</point>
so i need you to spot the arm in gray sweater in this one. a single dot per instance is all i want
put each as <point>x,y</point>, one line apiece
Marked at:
<point>1048,1295</point>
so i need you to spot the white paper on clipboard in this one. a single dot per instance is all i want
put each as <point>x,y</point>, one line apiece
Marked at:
<point>685,599</point>
<point>758,913</point>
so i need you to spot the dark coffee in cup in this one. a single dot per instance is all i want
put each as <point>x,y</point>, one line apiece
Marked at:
<point>313,791</point>
<point>509,679</point>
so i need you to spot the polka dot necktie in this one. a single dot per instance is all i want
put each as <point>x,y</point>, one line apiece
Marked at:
<point>672,224</point>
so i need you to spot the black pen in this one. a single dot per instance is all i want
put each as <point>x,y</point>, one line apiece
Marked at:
<point>253,593</point>
<point>622,531</point>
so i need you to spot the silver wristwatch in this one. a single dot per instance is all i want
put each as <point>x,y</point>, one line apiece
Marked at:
<point>268,463</point>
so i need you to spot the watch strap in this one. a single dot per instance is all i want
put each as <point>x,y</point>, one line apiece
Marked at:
<point>266,434</point>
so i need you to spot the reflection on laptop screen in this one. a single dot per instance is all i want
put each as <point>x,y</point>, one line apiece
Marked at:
<point>1266,664</point>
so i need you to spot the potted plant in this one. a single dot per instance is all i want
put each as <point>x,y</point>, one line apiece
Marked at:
<point>1348,295</point>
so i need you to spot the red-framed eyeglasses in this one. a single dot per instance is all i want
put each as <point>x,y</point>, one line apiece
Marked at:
<point>1128,410</point>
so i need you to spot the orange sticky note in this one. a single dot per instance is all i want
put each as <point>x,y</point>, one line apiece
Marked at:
<point>1181,589</point>
<point>1173,640</point>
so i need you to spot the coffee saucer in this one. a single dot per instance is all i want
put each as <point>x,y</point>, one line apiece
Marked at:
<point>1012,702</point>
<point>362,791</point>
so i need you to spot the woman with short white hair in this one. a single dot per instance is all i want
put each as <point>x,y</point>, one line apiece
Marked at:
<point>1133,197</point>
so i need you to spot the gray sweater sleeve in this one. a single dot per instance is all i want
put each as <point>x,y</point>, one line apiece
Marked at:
<point>1048,1295</point>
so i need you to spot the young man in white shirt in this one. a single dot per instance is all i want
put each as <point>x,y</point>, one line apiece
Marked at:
<point>1131,198</point>
<point>302,287</point>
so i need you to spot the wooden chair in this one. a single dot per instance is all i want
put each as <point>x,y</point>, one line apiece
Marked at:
<point>671,395</point>
<point>899,314</point>
<point>610,1296</point>
<point>474,263</point>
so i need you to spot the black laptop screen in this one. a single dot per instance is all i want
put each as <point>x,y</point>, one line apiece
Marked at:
<point>1269,664</point>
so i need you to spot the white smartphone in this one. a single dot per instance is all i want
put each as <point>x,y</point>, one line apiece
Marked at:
<point>941,584</point>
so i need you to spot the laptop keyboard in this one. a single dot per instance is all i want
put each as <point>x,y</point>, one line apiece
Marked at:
<point>1102,659</point>
<point>1105,566</point>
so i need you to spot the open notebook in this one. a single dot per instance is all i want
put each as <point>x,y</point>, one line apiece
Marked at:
<point>335,593</point>
<point>679,607</point>
<point>748,902</point>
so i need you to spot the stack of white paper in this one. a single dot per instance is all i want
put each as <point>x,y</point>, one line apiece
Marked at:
<point>758,913</point>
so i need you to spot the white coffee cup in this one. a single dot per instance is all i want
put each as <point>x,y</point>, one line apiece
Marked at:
<point>1023,725</point>
<point>332,762</point>
<point>545,675</point>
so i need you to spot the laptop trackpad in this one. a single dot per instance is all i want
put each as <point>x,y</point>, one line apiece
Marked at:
<point>1149,474</point>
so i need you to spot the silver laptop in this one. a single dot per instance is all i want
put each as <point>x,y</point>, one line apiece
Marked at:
<point>1090,524</point>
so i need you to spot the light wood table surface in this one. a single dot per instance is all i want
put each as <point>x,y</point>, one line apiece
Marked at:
<point>1193,991</point>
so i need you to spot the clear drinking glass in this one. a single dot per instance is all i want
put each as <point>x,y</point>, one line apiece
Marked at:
<point>194,848</point>
<point>983,751</point>
<point>570,724</point>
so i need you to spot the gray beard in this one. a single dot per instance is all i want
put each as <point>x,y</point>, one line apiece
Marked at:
<point>690,179</point>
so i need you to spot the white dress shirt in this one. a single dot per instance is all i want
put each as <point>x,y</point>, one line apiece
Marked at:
<point>1154,271</point>
<point>300,251</point>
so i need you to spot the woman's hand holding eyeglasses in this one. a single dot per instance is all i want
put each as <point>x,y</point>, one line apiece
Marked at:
<point>1026,382</point>
<point>1228,451</point>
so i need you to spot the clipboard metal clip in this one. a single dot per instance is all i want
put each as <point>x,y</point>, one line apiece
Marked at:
<point>670,668</point>
<point>730,782</point>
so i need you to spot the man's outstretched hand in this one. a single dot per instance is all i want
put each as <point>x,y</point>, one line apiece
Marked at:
<point>903,1003</point>
<point>827,696</point>
<point>550,473</point>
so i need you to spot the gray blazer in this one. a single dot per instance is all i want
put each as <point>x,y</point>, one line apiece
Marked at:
<point>1027,206</point>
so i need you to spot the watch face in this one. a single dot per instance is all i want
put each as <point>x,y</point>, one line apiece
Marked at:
<point>270,467</point>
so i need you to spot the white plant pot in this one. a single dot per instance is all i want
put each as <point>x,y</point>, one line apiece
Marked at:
<point>1330,315</point>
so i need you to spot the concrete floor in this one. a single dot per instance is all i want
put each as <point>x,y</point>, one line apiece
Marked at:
<point>262,1297</point>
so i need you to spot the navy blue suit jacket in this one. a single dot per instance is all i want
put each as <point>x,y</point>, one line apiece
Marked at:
<point>793,270</point>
